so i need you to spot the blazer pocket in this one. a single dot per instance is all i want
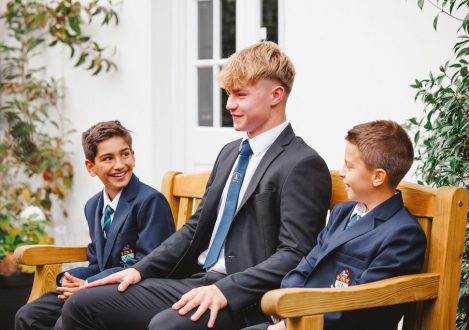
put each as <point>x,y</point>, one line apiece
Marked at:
<point>352,260</point>
<point>265,196</point>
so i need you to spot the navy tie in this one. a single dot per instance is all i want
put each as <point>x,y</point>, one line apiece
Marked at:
<point>353,220</point>
<point>231,205</point>
<point>107,220</point>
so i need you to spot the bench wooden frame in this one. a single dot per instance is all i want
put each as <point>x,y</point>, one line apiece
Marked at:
<point>441,212</point>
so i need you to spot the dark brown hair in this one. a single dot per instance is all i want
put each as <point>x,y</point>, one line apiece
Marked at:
<point>383,144</point>
<point>100,132</point>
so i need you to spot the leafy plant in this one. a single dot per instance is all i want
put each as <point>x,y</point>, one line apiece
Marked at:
<point>34,165</point>
<point>442,133</point>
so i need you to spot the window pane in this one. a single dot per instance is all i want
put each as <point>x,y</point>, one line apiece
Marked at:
<point>270,19</point>
<point>228,27</point>
<point>205,96</point>
<point>205,33</point>
<point>226,120</point>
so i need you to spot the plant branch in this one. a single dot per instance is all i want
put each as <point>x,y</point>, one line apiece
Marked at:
<point>444,11</point>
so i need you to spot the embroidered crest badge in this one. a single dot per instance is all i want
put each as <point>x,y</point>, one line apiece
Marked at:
<point>236,177</point>
<point>127,253</point>
<point>342,280</point>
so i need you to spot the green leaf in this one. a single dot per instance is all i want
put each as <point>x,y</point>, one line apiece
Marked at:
<point>465,24</point>
<point>420,3</point>
<point>75,24</point>
<point>82,59</point>
<point>416,137</point>
<point>435,22</point>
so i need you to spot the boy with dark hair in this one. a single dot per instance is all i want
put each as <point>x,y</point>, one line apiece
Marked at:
<point>126,221</point>
<point>372,238</point>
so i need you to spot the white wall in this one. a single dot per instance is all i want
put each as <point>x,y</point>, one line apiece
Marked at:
<point>355,61</point>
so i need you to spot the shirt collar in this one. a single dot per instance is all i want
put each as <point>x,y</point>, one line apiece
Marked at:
<point>263,141</point>
<point>359,209</point>
<point>107,201</point>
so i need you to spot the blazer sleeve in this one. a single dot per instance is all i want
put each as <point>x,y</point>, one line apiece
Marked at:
<point>303,204</point>
<point>93,268</point>
<point>296,277</point>
<point>162,260</point>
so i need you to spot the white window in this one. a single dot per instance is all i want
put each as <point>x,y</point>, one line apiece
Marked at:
<point>215,29</point>
<point>221,26</point>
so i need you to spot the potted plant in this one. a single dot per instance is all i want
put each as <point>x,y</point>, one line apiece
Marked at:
<point>35,172</point>
<point>441,134</point>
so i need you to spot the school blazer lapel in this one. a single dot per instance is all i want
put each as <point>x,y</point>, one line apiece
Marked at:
<point>274,151</point>
<point>122,211</point>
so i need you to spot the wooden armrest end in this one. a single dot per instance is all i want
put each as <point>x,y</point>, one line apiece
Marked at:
<point>284,303</point>
<point>36,255</point>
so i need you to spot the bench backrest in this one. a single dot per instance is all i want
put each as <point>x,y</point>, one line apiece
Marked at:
<point>441,213</point>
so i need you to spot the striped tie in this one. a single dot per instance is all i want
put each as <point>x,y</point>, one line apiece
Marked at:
<point>353,220</point>
<point>107,220</point>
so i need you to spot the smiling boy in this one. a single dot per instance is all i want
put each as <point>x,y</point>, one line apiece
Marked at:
<point>264,204</point>
<point>126,220</point>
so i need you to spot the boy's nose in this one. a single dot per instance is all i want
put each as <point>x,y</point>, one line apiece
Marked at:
<point>119,163</point>
<point>230,105</point>
<point>342,171</point>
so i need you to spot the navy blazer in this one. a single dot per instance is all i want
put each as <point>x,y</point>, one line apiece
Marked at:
<point>386,242</point>
<point>142,221</point>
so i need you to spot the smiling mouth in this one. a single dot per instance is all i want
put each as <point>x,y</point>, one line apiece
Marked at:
<point>119,175</point>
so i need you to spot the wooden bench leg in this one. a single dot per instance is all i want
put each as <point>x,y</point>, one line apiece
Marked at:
<point>44,280</point>
<point>315,322</point>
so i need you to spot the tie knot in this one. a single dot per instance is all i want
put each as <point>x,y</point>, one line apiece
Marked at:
<point>108,211</point>
<point>245,149</point>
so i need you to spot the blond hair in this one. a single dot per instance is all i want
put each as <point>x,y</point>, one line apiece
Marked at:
<point>263,60</point>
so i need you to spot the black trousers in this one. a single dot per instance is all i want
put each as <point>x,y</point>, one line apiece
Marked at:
<point>41,314</point>
<point>146,305</point>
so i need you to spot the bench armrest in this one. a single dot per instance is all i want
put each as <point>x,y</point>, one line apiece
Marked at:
<point>292,303</point>
<point>36,255</point>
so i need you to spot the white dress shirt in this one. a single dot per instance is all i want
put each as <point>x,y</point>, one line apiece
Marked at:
<point>259,145</point>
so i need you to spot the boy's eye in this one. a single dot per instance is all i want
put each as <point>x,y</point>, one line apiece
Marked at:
<point>126,154</point>
<point>107,158</point>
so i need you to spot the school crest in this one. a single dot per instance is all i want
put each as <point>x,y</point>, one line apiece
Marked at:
<point>342,279</point>
<point>127,253</point>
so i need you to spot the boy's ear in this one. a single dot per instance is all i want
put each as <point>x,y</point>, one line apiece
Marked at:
<point>90,167</point>
<point>278,94</point>
<point>380,177</point>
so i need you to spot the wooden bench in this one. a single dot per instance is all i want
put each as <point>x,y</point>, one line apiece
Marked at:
<point>441,212</point>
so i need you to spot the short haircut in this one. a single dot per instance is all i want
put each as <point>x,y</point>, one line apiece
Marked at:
<point>263,60</point>
<point>384,144</point>
<point>101,132</point>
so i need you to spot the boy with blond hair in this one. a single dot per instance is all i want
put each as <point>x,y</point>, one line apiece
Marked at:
<point>265,202</point>
<point>371,238</point>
